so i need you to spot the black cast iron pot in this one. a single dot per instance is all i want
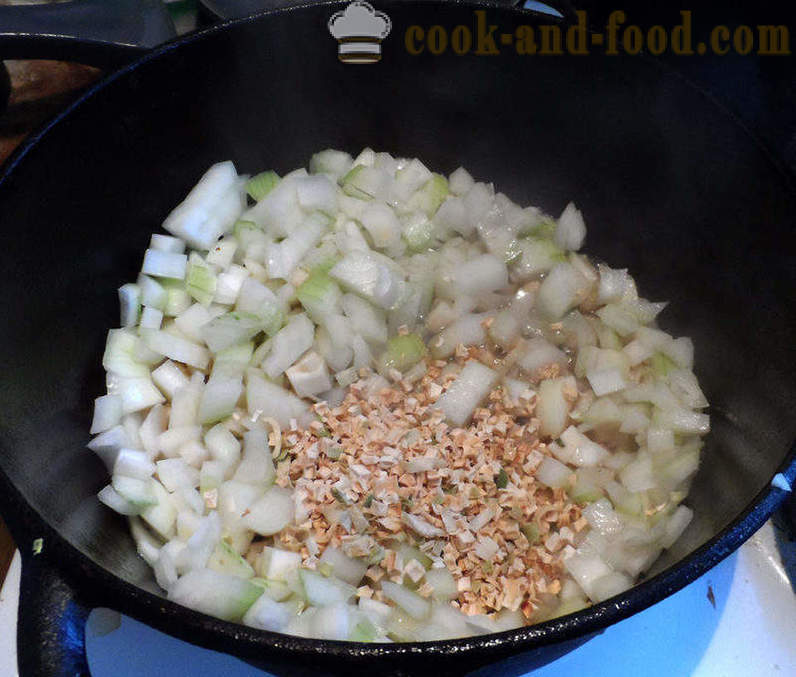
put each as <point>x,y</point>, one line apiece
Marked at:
<point>671,186</point>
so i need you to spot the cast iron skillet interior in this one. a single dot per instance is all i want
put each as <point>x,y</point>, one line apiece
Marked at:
<point>671,187</point>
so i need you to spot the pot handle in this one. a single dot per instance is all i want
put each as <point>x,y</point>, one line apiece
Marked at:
<point>103,33</point>
<point>51,624</point>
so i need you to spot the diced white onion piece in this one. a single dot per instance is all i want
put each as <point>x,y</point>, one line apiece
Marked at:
<point>166,243</point>
<point>176,348</point>
<point>480,274</point>
<point>185,403</point>
<point>254,297</point>
<point>363,357</point>
<point>553,473</point>
<point>230,329</point>
<point>290,342</point>
<point>323,591</point>
<point>478,200</point>
<point>505,329</point>
<point>682,421</point>
<point>219,398</point>
<point>452,216</point>
<point>539,353</point>
<point>443,584</point>
<point>382,224</point>
<point>192,321</point>
<point>266,614</point>
<point>148,546</point>
<point>317,193</point>
<point>162,516</point>
<point>138,492</point>
<point>164,264</point>
<point>637,352</point>
<point>271,513</point>
<point>408,179</point>
<point>201,544</point>
<point>151,318</point>
<point>344,567</point>
<point>174,474</point>
<point>570,230</point>
<point>257,465</point>
<point>216,594</point>
<point>138,394</point>
<point>279,212</point>
<point>634,419</point>
<point>110,497</point>
<point>613,283</point>
<point>618,318</point>
<point>223,446</point>
<point>553,405</point>
<point>229,283</point>
<point>334,341</point>
<point>107,413</point>
<point>610,585</point>
<point>366,182</point>
<point>605,381</point>
<point>653,339</point>
<point>151,428</point>
<point>188,498</point>
<point>276,564</point>
<point>583,451</point>
<point>460,181</point>
<point>165,568</point>
<point>638,475</point>
<point>169,378</point>
<point>133,463</point>
<point>559,291</point>
<point>309,376</point>
<point>335,163</point>
<point>129,304</point>
<point>586,568</point>
<point>281,258</point>
<point>602,517</point>
<point>222,253</point>
<point>468,390</point>
<point>210,208</point>
<point>659,440</point>
<point>468,330</point>
<point>234,499</point>
<point>119,356</point>
<point>372,276</point>
<point>681,351</point>
<point>685,387</point>
<point>412,603</point>
<point>445,622</point>
<point>152,292</point>
<point>193,453</point>
<point>366,320</point>
<point>172,439</point>
<point>269,399</point>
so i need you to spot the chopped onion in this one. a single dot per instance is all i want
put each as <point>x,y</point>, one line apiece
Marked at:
<point>231,331</point>
<point>553,473</point>
<point>570,231</point>
<point>471,386</point>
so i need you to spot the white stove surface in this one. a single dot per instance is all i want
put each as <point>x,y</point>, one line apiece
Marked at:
<point>747,629</point>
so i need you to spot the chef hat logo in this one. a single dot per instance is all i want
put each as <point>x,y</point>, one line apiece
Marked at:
<point>359,30</point>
